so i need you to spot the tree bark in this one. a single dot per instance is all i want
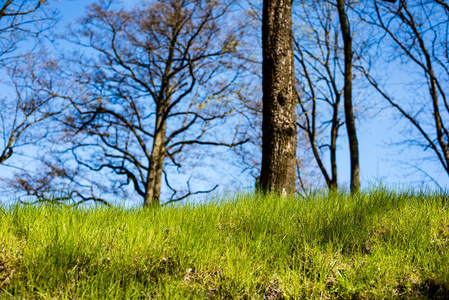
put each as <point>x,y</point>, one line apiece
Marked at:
<point>349,110</point>
<point>154,176</point>
<point>279,119</point>
<point>333,147</point>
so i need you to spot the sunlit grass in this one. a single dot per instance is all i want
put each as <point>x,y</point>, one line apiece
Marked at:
<point>378,244</point>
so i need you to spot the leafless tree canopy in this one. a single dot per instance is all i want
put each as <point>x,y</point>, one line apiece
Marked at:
<point>20,20</point>
<point>416,32</point>
<point>149,86</point>
<point>320,67</point>
<point>21,110</point>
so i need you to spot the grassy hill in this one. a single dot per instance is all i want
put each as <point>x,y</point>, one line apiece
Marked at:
<point>379,244</point>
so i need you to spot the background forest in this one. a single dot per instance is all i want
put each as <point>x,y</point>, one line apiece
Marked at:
<point>162,100</point>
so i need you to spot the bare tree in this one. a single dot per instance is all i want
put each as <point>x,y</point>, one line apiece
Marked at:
<point>149,87</point>
<point>348,103</point>
<point>319,72</point>
<point>416,31</point>
<point>321,80</point>
<point>279,118</point>
<point>21,111</point>
<point>25,112</point>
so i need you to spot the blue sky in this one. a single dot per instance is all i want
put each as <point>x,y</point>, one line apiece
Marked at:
<point>380,161</point>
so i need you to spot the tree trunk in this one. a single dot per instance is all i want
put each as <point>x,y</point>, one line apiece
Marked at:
<point>154,176</point>
<point>349,111</point>
<point>333,148</point>
<point>279,119</point>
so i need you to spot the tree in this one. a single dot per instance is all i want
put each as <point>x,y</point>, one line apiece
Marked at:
<point>349,110</point>
<point>279,118</point>
<point>324,79</point>
<point>320,56</point>
<point>150,86</point>
<point>20,111</point>
<point>416,32</point>
<point>317,50</point>
<point>25,111</point>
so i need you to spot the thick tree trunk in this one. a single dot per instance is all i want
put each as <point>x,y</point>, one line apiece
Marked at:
<point>349,111</point>
<point>154,176</point>
<point>279,118</point>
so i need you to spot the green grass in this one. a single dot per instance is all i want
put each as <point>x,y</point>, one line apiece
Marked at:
<point>378,244</point>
